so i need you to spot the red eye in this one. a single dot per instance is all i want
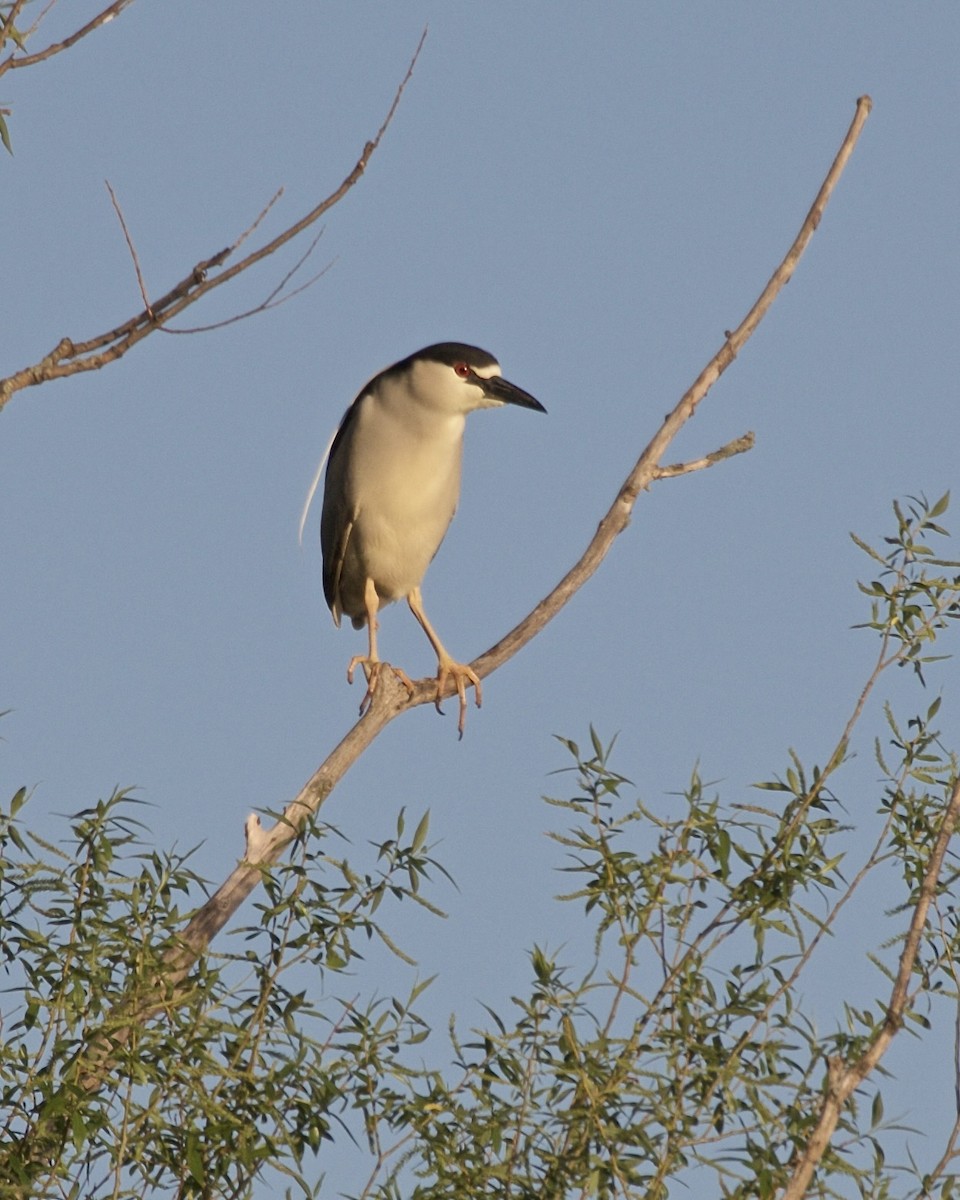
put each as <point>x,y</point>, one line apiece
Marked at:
<point>463,370</point>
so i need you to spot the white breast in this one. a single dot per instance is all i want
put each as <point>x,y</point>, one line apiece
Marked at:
<point>402,481</point>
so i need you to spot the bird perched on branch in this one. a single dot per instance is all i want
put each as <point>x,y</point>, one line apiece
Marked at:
<point>391,489</point>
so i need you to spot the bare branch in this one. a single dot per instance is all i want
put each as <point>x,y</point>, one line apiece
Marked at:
<point>130,246</point>
<point>8,24</point>
<point>274,299</point>
<point>28,60</point>
<point>933,1177</point>
<point>643,473</point>
<point>268,303</point>
<point>392,698</point>
<point>739,446</point>
<point>69,357</point>
<point>266,208</point>
<point>40,18</point>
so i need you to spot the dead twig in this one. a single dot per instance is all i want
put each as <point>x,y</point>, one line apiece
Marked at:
<point>8,26</point>
<point>12,62</point>
<point>130,246</point>
<point>739,445</point>
<point>273,298</point>
<point>69,357</point>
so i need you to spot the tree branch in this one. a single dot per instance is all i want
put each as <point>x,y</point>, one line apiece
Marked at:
<point>843,1080</point>
<point>392,698</point>
<point>273,299</point>
<point>28,60</point>
<point>70,358</point>
<point>8,23</point>
<point>131,247</point>
<point>644,472</point>
<point>739,446</point>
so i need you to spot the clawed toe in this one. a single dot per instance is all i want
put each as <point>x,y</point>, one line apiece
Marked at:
<point>464,677</point>
<point>372,669</point>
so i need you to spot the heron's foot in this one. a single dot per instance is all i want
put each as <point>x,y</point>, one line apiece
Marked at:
<point>464,677</point>
<point>371,670</point>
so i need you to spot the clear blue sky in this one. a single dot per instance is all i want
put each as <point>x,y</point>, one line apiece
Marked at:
<point>594,193</point>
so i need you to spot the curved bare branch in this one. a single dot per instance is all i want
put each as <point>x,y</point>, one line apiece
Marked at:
<point>69,357</point>
<point>11,62</point>
<point>392,698</point>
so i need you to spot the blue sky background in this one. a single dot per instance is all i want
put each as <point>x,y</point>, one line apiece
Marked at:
<point>594,193</point>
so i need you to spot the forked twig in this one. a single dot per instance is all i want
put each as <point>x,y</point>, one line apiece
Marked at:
<point>130,246</point>
<point>273,298</point>
<point>11,62</point>
<point>739,445</point>
<point>70,358</point>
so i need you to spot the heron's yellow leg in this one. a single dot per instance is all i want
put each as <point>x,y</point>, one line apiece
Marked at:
<point>447,667</point>
<point>370,661</point>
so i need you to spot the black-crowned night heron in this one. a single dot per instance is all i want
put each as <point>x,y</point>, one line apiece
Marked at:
<point>392,486</point>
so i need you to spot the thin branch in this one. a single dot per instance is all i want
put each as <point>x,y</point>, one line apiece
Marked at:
<point>263,212</point>
<point>9,22</point>
<point>39,19</point>
<point>643,473</point>
<point>787,981</point>
<point>28,60</point>
<point>391,697</point>
<point>273,299</point>
<point>842,1080</point>
<point>739,446</point>
<point>949,1154</point>
<point>932,1178</point>
<point>69,357</point>
<point>130,246</point>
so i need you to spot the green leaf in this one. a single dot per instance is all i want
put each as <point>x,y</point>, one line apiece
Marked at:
<point>420,834</point>
<point>940,507</point>
<point>542,966</point>
<point>31,1011</point>
<point>597,744</point>
<point>5,134</point>
<point>11,31</point>
<point>78,1129</point>
<point>195,1159</point>
<point>866,549</point>
<point>420,988</point>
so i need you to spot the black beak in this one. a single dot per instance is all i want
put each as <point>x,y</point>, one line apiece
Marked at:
<point>498,388</point>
